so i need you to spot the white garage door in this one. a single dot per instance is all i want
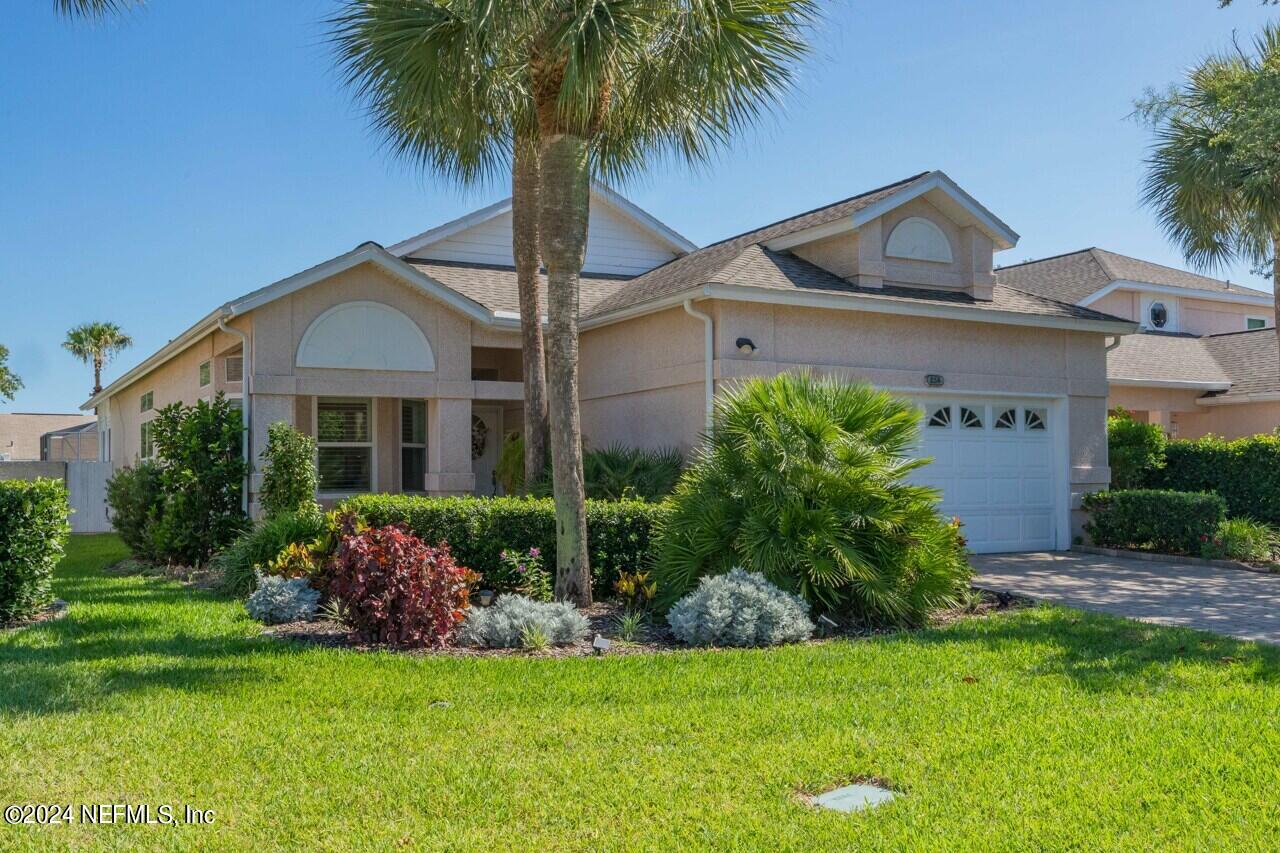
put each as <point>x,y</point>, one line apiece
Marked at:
<point>994,463</point>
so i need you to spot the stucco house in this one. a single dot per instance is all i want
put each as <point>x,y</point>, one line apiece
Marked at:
<point>28,436</point>
<point>404,361</point>
<point>1207,361</point>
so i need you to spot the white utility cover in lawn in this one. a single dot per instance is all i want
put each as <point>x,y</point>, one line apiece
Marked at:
<point>994,462</point>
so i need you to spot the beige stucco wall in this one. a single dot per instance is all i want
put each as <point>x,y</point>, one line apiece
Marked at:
<point>1233,421</point>
<point>1195,316</point>
<point>643,379</point>
<point>175,381</point>
<point>20,432</point>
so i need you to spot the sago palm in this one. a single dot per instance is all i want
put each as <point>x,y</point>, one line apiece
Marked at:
<point>600,86</point>
<point>1213,176</point>
<point>806,481</point>
<point>96,344</point>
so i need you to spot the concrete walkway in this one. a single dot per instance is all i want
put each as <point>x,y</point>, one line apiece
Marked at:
<point>1233,602</point>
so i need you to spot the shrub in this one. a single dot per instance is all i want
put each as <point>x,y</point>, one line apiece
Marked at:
<point>1153,520</point>
<point>613,473</point>
<point>136,499</point>
<point>1136,451</point>
<point>202,475</point>
<point>739,609</point>
<point>1240,539</point>
<point>278,600</point>
<point>635,589</point>
<point>33,531</point>
<point>478,529</point>
<point>289,477</point>
<point>804,481</point>
<point>1244,471</point>
<point>399,590</point>
<point>263,544</point>
<point>524,573</point>
<point>512,619</point>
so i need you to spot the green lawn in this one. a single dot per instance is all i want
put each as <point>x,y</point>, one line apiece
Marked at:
<point>1079,732</point>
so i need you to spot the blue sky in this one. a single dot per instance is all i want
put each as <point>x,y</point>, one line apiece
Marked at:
<point>152,168</point>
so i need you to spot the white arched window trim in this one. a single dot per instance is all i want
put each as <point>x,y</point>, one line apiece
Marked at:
<point>918,239</point>
<point>365,335</point>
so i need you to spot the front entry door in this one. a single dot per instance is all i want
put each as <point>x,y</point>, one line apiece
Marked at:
<point>486,442</point>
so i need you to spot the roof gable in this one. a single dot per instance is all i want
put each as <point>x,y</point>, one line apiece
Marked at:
<point>622,239</point>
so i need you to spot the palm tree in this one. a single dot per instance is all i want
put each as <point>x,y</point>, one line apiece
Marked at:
<point>602,86</point>
<point>10,382</point>
<point>96,344</point>
<point>1213,176</point>
<point>93,8</point>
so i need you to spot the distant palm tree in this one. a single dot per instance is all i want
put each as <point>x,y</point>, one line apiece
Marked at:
<point>598,86</point>
<point>1213,176</point>
<point>96,344</point>
<point>93,8</point>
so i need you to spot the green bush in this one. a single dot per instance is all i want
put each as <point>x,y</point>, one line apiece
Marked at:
<point>258,547</point>
<point>1241,539</point>
<point>803,480</point>
<point>136,499</point>
<point>1136,451</point>
<point>1153,520</point>
<point>1244,471</point>
<point>613,473</point>
<point>289,476</point>
<point>33,531</point>
<point>202,475</point>
<point>479,529</point>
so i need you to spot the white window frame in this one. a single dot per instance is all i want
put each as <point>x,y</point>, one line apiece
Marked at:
<point>143,429</point>
<point>1248,320</point>
<point>204,373</point>
<point>1170,305</point>
<point>413,445</point>
<point>147,402</point>
<point>372,444</point>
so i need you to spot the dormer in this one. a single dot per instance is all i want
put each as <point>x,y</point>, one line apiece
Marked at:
<point>929,234</point>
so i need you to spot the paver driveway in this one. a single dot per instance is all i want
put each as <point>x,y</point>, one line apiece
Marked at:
<point>1227,601</point>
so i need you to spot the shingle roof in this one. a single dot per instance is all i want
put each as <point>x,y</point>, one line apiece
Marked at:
<point>756,266</point>
<point>714,262</point>
<point>1250,359</point>
<point>1158,357</point>
<point>494,287</point>
<point>1077,275</point>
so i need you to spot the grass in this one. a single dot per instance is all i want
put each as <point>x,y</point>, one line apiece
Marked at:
<point>1043,728</point>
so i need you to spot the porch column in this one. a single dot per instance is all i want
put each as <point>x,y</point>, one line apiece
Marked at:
<point>449,470</point>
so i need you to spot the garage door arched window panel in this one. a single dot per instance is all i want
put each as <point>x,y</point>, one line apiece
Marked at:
<point>971,417</point>
<point>939,417</point>
<point>1007,419</point>
<point>365,336</point>
<point>1035,420</point>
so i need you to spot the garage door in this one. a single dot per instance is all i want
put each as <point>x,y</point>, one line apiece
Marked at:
<point>993,462</point>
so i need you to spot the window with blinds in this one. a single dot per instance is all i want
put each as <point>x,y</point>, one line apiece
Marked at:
<point>344,438</point>
<point>413,445</point>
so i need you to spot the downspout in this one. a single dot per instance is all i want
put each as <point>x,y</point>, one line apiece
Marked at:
<point>246,401</point>
<point>1113,344</point>
<point>709,357</point>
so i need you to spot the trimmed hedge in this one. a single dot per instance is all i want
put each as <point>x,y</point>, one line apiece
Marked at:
<point>1154,520</point>
<point>478,529</point>
<point>33,531</point>
<point>1244,471</point>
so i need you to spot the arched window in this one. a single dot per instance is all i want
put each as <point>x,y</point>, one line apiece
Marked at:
<point>919,239</point>
<point>365,336</point>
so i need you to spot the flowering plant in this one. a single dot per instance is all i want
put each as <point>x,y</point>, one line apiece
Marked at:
<point>525,574</point>
<point>399,590</point>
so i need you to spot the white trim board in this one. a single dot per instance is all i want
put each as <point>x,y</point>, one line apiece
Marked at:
<point>1167,290</point>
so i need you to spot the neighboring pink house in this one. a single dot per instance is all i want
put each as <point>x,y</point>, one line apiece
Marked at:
<point>404,362</point>
<point>1208,361</point>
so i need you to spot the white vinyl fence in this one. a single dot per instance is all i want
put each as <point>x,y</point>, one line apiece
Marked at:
<point>86,488</point>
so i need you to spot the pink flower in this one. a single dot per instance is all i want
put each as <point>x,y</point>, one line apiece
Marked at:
<point>535,553</point>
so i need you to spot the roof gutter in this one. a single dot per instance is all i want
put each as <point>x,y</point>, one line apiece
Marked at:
<point>709,354</point>
<point>1176,384</point>
<point>1240,399</point>
<point>246,405</point>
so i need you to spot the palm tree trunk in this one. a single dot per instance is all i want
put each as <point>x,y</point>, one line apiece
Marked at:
<point>524,244</point>
<point>563,211</point>
<point>1275,285</point>
<point>97,375</point>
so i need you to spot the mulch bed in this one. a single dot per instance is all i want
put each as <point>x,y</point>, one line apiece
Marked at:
<point>655,637</point>
<point>56,609</point>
